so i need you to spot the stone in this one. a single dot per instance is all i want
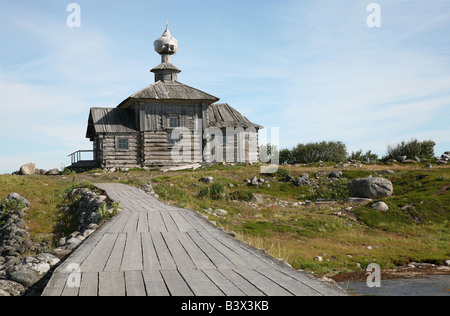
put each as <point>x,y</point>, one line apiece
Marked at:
<point>207,180</point>
<point>335,174</point>
<point>18,197</point>
<point>220,212</point>
<point>257,198</point>
<point>28,169</point>
<point>380,206</point>
<point>428,166</point>
<point>26,277</point>
<point>53,172</point>
<point>302,180</point>
<point>10,288</point>
<point>373,188</point>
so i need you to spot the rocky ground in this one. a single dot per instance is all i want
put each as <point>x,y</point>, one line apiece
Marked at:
<point>21,274</point>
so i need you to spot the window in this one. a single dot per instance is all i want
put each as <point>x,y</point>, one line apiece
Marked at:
<point>173,122</point>
<point>122,143</point>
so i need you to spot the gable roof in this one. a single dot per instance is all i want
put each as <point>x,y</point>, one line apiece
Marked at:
<point>170,90</point>
<point>107,120</point>
<point>223,115</point>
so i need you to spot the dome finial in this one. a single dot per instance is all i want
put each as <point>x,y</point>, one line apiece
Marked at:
<point>166,44</point>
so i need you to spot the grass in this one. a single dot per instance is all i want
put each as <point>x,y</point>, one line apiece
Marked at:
<point>416,227</point>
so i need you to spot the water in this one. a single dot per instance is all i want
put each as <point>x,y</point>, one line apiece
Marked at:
<point>436,285</point>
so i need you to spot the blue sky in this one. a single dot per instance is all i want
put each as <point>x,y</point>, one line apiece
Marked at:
<point>312,68</point>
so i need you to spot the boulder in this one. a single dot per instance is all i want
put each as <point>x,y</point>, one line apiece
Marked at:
<point>10,288</point>
<point>28,169</point>
<point>207,180</point>
<point>18,197</point>
<point>257,198</point>
<point>335,175</point>
<point>53,172</point>
<point>380,206</point>
<point>26,277</point>
<point>372,188</point>
<point>302,180</point>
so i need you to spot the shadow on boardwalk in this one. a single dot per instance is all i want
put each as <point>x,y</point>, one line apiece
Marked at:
<point>154,249</point>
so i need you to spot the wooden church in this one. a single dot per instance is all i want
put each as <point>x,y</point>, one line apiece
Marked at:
<point>139,132</point>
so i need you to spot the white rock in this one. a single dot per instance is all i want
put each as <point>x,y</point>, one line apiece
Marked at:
<point>380,206</point>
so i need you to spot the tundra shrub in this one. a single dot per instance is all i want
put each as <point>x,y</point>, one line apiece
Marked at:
<point>411,149</point>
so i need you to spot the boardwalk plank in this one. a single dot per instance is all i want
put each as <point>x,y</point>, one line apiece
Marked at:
<point>175,283</point>
<point>131,225</point>
<point>154,284</point>
<point>156,222</point>
<point>199,258</point>
<point>245,286</point>
<point>219,260</point>
<point>96,260</point>
<point>149,256</point>
<point>266,285</point>
<point>115,259</point>
<point>200,284</point>
<point>132,255</point>
<point>165,258</point>
<point>225,285</point>
<point>134,283</point>
<point>111,284</point>
<point>142,223</point>
<point>170,224</point>
<point>89,284</point>
<point>179,254</point>
<point>182,224</point>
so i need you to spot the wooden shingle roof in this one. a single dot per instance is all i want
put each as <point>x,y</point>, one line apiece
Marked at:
<point>170,90</point>
<point>110,120</point>
<point>222,115</point>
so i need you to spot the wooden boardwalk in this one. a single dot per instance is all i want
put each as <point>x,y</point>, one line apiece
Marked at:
<point>151,248</point>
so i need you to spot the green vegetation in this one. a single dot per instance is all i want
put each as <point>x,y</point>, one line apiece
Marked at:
<point>411,149</point>
<point>415,228</point>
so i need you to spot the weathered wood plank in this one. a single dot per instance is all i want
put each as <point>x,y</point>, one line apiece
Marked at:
<point>154,284</point>
<point>219,260</point>
<point>292,285</point>
<point>111,284</point>
<point>182,224</point>
<point>56,285</point>
<point>132,255</point>
<point>199,283</point>
<point>243,284</point>
<point>165,258</point>
<point>121,221</point>
<point>225,285</point>
<point>156,222</point>
<point>149,256</point>
<point>142,223</point>
<point>134,283</point>
<point>96,260</point>
<point>201,261</point>
<point>115,259</point>
<point>89,284</point>
<point>175,283</point>
<point>266,285</point>
<point>169,222</point>
<point>179,254</point>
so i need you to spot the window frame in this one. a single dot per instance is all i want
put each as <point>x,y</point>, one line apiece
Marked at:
<point>122,144</point>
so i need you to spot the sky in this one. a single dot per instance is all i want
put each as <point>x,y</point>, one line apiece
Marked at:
<point>313,68</point>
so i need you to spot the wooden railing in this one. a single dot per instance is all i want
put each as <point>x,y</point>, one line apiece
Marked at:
<point>77,156</point>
